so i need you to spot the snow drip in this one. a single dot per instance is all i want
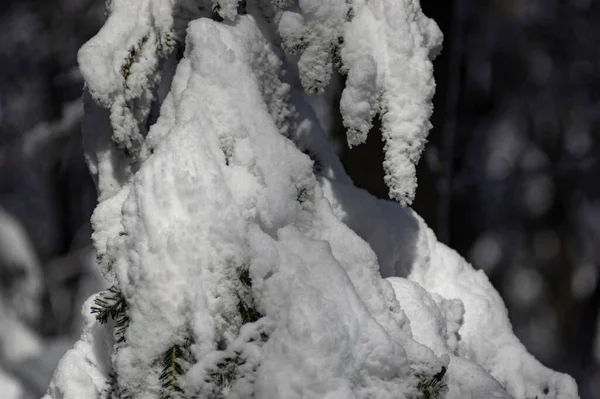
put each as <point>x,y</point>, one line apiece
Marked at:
<point>239,267</point>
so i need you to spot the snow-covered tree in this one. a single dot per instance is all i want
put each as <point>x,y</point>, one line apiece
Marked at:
<point>242,260</point>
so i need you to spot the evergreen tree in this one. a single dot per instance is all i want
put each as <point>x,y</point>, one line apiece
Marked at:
<point>244,262</point>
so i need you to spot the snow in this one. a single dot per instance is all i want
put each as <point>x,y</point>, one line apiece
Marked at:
<point>84,369</point>
<point>434,324</point>
<point>486,336</point>
<point>121,64</point>
<point>386,52</point>
<point>218,187</point>
<point>10,388</point>
<point>384,47</point>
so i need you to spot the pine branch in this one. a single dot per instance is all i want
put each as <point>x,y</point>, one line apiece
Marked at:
<point>122,322</point>
<point>226,371</point>
<point>132,57</point>
<point>432,387</point>
<point>245,278</point>
<point>248,313</point>
<point>174,363</point>
<point>111,304</point>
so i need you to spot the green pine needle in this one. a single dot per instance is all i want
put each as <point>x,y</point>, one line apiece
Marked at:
<point>225,373</point>
<point>111,304</point>
<point>108,304</point>
<point>174,362</point>
<point>132,57</point>
<point>248,313</point>
<point>432,387</point>
<point>245,277</point>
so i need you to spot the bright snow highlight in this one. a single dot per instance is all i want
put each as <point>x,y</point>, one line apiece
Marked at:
<point>240,269</point>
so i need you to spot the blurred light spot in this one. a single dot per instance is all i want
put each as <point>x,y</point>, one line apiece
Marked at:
<point>538,195</point>
<point>533,159</point>
<point>541,68</point>
<point>486,253</point>
<point>481,73</point>
<point>584,281</point>
<point>542,11</point>
<point>581,4</point>
<point>580,70</point>
<point>546,244</point>
<point>498,167</point>
<point>577,140</point>
<point>432,158</point>
<point>525,286</point>
<point>503,149</point>
<point>541,331</point>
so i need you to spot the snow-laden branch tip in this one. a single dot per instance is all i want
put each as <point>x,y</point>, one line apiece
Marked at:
<point>241,268</point>
<point>384,47</point>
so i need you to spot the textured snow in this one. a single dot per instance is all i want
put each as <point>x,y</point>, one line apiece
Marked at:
<point>315,31</point>
<point>435,322</point>
<point>487,336</point>
<point>384,47</point>
<point>386,50</point>
<point>411,249</point>
<point>204,203</point>
<point>121,64</point>
<point>218,184</point>
<point>85,368</point>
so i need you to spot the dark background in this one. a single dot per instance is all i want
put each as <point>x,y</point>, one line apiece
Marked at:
<point>509,178</point>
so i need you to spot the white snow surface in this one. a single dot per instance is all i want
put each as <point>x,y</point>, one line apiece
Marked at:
<point>411,249</point>
<point>386,51</point>
<point>85,368</point>
<point>384,47</point>
<point>216,188</point>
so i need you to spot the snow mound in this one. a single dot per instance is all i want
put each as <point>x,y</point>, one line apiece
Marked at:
<point>223,244</point>
<point>434,322</point>
<point>240,269</point>
<point>410,248</point>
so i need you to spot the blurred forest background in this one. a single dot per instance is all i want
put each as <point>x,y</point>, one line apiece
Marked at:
<point>509,178</point>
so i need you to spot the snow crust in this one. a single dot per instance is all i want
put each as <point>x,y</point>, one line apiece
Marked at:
<point>218,185</point>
